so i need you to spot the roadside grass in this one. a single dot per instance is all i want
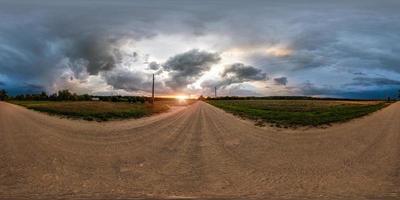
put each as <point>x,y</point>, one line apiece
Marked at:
<point>295,113</point>
<point>95,110</point>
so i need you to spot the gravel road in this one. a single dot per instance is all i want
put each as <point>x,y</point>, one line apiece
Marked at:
<point>197,151</point>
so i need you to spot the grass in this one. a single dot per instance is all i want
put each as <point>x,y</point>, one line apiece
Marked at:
<point>95,110</point>
<point>294,113</point>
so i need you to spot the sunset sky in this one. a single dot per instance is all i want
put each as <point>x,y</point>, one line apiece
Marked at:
<point>247,48</point>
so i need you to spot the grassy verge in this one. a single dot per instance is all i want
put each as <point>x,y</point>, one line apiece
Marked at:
<point>95,110</point>
<point>294,113</point>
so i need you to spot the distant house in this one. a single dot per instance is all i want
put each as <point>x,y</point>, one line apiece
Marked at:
<point>95,99</point>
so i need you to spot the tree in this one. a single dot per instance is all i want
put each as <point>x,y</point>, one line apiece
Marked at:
<point>202,98</point>
<point>398,95</point>
<point>53,97</point>
<point>84,97</point>
<point>20,97</point>
<point>3,95</point>
<point>43,96</point>
<point>64,95</point>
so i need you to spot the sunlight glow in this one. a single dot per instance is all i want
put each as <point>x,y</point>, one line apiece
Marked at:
<point>181,97</point>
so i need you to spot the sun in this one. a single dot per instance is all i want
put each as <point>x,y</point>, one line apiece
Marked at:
<point>181,97</point>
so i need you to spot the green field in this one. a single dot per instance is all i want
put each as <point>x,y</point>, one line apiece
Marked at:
<point>293,113</point>
<point>95,110</point>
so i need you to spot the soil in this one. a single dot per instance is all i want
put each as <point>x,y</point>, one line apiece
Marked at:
<point>197,151</point>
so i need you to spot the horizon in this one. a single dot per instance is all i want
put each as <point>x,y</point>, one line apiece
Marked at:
<point>346,49</point>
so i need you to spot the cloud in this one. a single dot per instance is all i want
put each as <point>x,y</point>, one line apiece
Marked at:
<point>243,72</point>
<point>281,81</point>
<point>239,73</point>
<point>187,67</point>
<point>89,41</point>
<point>128,80</point>
<point>359,73</point>
<point>376,81</point>
<point>154,66</point>
<point>98,53</point>
<point>311,89</point>
<point>234,74</point>
<point>228,90</point>
<point>2,83</point>
<point>34,87</point>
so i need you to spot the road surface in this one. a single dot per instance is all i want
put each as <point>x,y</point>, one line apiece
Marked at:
<point>199,152</point>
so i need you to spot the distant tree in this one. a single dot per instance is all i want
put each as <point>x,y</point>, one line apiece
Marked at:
<point>132,99</point>
<point>20,97</point>
<point>28,97</point>
<point>53,97</point>
<point>84,97</point>
<point>398,95</point>
<point>43,96</point>
<point>202,98</point>
<point>141,99</point>
<point>74,97</point>
<point>3,95</point>
<point>114,98</point>
<point>64,95</point>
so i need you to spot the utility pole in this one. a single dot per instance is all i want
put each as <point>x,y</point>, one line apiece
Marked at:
<point>215,91</point>
<point>152,92</point>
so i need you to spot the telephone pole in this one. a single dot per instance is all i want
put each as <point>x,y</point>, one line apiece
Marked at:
<point>152,92</point>
<point>215,91</point>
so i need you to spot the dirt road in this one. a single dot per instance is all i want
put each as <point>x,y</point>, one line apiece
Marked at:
<point>198,151</point>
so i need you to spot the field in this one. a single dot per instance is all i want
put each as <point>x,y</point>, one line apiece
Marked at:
<point>289,113</point>
<point>96,110</point>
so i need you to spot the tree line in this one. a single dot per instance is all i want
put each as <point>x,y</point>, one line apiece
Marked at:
<point>3,95</point>
<point>288,98</point>
<point>62,95</point>
<point>66,95</point>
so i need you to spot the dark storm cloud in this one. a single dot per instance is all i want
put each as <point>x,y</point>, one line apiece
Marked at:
<point>154,66</point>
<point>310,89</point>
<point>36,55</point>
<point>337,37</point>
<point>359,73</point>
<point>281,81</point>
<point>40,40</point>
<point>98,53</point>
<point>226,89</point>
<point>234,74</point>
<point>85,32</point>
<point>128,80</point>
<point>34,87</point>
<point>241,72</point>
<point>187,67</point>
<point>27,56</point>
<point>376,81</point>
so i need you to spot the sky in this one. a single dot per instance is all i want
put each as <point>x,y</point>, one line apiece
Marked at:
<point>341,48</point>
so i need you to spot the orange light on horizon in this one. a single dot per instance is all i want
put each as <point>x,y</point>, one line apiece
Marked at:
<point>181,97</point>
